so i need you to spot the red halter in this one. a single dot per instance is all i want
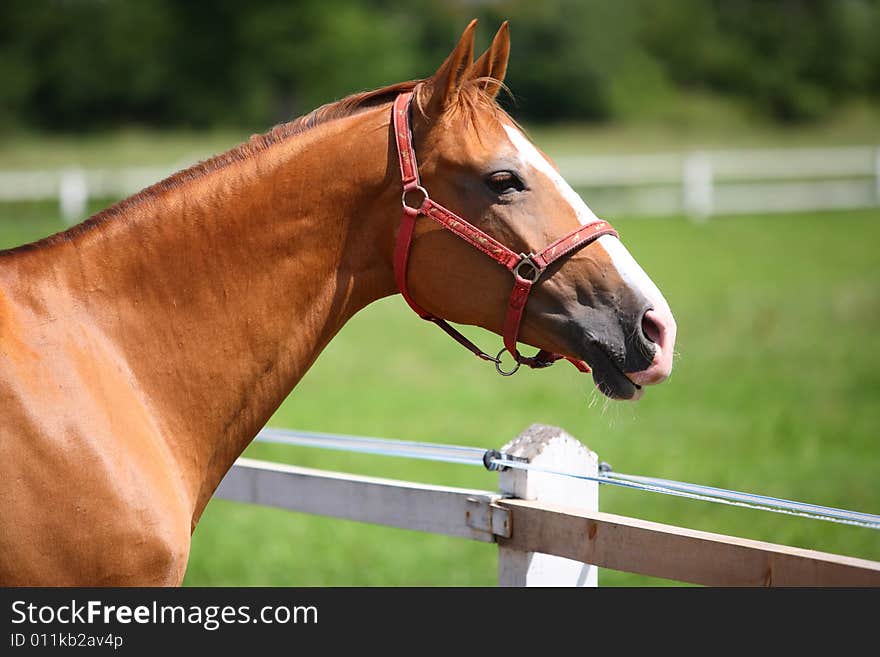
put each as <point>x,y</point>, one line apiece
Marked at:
<point>526,269</point>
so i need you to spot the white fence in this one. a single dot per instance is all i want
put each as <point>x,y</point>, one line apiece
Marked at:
<point>699,184</point>
<point>73,187</point>
<point>548,528</point>
<point>702,184</point>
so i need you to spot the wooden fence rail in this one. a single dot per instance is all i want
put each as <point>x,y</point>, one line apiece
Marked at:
<point>687,555</point>
<point>548,528</point>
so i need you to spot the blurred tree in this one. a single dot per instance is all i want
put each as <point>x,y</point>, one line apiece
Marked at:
<point>74,64</point>
<point>295,57</point>
<point>794,59</point>
<point>84,63</point>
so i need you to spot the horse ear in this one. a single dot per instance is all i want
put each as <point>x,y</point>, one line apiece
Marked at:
<point>491,67</point>
<point>445,84</point>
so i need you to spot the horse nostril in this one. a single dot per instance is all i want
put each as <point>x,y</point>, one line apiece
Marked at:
<point>651,328</point>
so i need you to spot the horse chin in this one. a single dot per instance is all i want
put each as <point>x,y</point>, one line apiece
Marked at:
<point>576,341</point>
<point>610,379</point>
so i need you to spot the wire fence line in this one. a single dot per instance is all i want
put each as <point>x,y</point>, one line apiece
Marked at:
<point>544,515</point>
<point>494,460</point>
<point>699,184</point>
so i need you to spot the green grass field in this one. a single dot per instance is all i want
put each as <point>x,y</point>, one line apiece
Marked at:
<point>775,391</point>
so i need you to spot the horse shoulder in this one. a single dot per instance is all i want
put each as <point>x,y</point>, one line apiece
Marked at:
<point>91,493</point>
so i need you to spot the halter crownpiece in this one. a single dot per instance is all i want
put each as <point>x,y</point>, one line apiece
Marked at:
<point>526,268</point>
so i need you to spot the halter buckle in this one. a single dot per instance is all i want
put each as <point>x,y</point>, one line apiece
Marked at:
<point>414,208</point>
<point>526,260</point>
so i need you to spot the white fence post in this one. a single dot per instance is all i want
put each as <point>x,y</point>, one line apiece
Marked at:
<point>877,175</point>
<point>553,449</point>
<point>697,191</point>
<point>73,195</point>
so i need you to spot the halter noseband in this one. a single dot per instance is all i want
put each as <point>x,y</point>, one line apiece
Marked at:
<point>526,268</point>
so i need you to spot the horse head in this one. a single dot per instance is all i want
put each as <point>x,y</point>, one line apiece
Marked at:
<point>595,305</point>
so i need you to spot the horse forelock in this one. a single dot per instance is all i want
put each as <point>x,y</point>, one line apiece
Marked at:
<point>471,102</point>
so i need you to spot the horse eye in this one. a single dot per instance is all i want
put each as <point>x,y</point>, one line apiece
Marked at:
<point>504,182</point>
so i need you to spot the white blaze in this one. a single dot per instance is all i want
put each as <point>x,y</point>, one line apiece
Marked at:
<point>628,269</point>
<point>532,156</point>
<point>632,273</point>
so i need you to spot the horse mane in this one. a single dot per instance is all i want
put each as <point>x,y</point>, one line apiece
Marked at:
<point>472,98</point>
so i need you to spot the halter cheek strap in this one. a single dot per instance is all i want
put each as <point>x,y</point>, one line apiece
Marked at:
<point>526,268</point>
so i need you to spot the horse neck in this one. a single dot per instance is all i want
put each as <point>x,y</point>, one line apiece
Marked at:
<point>222,291</point>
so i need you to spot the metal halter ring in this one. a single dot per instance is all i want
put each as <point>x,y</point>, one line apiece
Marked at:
<point>527,260</point>
<point>417,188</point>
<point>498,367</point>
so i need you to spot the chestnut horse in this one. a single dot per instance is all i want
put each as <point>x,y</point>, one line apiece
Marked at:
<point>142,350</point>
